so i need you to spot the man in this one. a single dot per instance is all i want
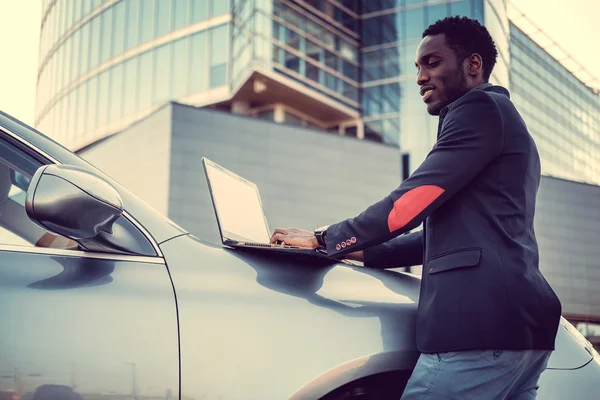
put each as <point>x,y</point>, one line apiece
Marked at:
<point>487,318</point>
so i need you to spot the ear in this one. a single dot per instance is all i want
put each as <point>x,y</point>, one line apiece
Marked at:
<point>475,66</point>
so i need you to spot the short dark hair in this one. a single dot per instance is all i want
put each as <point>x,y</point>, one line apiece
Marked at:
<point>467,36</point>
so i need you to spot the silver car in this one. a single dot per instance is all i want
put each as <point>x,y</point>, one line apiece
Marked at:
<point>101,297</point>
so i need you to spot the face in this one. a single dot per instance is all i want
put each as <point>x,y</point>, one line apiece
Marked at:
<point>440,76</point>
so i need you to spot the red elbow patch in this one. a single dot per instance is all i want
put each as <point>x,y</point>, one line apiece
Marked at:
<point>411,204</point>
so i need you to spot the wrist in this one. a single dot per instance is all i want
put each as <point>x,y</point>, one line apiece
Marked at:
<point>320,237</point>
<point>315,242</point>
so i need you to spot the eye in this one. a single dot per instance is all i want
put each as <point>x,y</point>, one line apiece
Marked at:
<point>434,64</point>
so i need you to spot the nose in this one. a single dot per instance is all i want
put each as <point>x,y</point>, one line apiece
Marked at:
<point>422,77</point>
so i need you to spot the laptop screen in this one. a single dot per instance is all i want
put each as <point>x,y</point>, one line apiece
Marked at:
<point>238,206</point>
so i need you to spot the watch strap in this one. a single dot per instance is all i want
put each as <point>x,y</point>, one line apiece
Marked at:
<point>320,234</point>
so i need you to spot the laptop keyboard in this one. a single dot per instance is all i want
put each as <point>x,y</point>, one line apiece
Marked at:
<point>271,246</point>
<point>262,245</point>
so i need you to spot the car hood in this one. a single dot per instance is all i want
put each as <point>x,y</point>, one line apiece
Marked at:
<point>274,312</point>
<point>352,290</point>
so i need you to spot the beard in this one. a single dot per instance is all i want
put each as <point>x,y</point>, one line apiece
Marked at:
<point>455,86</point>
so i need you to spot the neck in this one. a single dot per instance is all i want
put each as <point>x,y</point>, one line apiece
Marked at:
<point>476,83</point>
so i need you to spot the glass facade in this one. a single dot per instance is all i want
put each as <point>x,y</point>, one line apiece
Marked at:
<point>496,21</point>
<point>314,42</point>
<point>105,61</point>
<point>391,104</point>
<point>562,113</point>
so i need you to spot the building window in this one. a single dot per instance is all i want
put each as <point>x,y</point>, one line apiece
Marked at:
<point>415,23</point>
<point>291,119</point>
<point>180,64</point>
<point>267,115</point>
<point>132,26</point>
<point>119,28</point>
<point>292,62</point>
<point>180,13</point>
<point>130,86</point>
<point>147,21</point>
<point>462,8</point>
<point>116,93</point>
<point>107,35</point>
<point>219,7</point>
<point>218,56</point>
<point>163,17</point>
<point>198,65</point>
<point>199,10</point>
<point>94,41</point>
<point>435,13</point>
<point>146,79</point>
<point>92,105</point>
<point>351,131</point>
<point>161,77</point>
<point>313,73</point>
<point>103,97</point>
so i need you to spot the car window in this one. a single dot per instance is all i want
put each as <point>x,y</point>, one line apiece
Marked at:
<point>16,229</point>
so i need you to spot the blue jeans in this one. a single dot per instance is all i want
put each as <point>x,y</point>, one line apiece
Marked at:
<point>479,374</point>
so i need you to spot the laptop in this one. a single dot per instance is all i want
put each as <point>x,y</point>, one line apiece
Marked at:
<point>239,212</point>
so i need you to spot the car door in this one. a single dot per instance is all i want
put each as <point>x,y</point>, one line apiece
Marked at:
<point>76,324</point>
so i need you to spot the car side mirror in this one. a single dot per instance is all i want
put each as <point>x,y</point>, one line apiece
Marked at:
<point>72,202</point>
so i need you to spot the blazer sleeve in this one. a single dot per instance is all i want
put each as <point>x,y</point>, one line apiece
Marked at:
<point>471,138</point>
<point>401,251</point>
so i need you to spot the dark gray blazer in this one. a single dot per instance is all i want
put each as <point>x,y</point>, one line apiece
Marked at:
<point>475,193</point>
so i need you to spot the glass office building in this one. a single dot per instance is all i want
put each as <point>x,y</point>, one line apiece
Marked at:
<point>561,112</point>
<point>297,62</point>
<point>106,64</point>
<point>391,31</point>
<point>344,66</point>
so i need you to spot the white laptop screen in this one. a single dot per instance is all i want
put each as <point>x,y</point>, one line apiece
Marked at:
<point>238,206</point>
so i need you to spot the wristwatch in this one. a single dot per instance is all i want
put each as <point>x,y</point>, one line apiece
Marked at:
<point>320,234</point>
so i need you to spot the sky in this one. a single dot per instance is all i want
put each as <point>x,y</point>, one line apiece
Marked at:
<point>572,24</point>
<point>19,45</point>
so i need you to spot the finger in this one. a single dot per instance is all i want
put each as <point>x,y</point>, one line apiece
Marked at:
<point>283,231</point>
<point>276,237</point>
<point>278,232</point>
